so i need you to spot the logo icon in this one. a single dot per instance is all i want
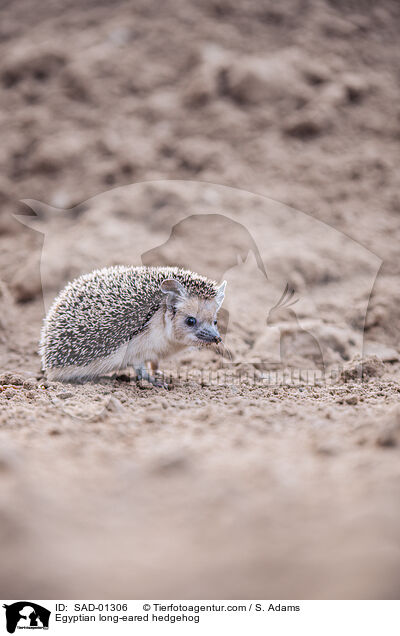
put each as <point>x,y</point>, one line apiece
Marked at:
<point>26,615</point>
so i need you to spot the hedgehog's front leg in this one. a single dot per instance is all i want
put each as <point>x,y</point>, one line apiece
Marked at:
<point>142,373</point>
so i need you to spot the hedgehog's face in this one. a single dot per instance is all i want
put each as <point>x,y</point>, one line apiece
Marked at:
<point>193,319</point>
<point>195,322</point>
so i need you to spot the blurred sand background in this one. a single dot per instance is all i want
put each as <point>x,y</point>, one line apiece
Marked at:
<point>283,120</point>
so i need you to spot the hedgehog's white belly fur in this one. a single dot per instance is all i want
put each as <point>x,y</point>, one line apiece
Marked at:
<point>154,343</point>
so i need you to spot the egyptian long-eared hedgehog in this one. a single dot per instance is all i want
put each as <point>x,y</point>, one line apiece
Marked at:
<point>120,317</point>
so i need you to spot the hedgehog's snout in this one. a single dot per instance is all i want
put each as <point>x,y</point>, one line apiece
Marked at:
<point>209,335</point>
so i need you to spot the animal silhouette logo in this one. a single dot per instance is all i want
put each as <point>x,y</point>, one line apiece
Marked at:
<point>26,615</point>
<point>255,242</point>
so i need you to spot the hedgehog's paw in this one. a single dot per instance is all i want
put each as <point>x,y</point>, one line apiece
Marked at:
<point>156,380</point>
<point>162,380</point>
<point>159,382</point>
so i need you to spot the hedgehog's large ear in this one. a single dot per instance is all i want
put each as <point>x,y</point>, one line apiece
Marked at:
<point>219,298</point>
<point>174,291</point>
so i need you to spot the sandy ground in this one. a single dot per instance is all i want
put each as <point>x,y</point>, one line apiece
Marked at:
<point>256,142</point>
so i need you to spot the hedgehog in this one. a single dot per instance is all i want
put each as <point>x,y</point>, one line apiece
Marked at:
<point>120,317</point>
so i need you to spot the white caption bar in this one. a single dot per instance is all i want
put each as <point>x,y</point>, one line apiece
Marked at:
<point>200,617</point>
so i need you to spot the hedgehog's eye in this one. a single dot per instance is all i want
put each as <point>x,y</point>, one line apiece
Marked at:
<point>191,321</point>
<point>215,322</point>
